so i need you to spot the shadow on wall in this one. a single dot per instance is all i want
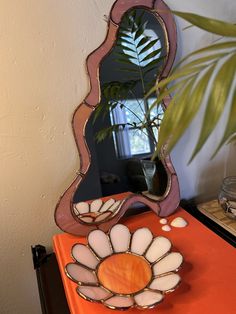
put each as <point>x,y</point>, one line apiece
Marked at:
<point>211,177</point>
<point>210,180</point>
<point>231,164</point>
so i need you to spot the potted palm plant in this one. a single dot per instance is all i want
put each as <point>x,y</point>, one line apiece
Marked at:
<point>211,67</point>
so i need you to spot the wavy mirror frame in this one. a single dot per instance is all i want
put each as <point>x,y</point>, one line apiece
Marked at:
<point>166,204</point>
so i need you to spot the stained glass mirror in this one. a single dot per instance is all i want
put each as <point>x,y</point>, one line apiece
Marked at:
<point>114,128</point>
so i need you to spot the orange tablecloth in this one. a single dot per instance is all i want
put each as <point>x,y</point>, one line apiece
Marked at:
<point>208,273</point>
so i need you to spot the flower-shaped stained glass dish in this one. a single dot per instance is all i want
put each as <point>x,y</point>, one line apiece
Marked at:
<point>123,270</point>
<point>96,212</point>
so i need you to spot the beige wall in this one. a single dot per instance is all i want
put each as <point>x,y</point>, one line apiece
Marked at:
<point>43,46</point>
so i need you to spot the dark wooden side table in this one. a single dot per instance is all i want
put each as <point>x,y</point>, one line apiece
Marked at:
<point>51,291</point>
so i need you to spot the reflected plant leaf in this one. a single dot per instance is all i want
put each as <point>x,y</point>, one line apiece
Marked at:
<point>136,54</point>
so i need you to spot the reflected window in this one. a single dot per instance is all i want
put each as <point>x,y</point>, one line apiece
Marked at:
<point>131,139</point>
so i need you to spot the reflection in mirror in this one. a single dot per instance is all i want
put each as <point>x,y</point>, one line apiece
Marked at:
<point>97,211</point>
<point>122,132</point>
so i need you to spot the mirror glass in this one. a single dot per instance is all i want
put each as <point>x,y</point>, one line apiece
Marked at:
<point>123,131</point>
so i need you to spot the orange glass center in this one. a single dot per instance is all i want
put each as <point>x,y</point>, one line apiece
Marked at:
<point>124,273</point>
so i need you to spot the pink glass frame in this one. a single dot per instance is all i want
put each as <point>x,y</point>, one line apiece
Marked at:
<point>167,204</point>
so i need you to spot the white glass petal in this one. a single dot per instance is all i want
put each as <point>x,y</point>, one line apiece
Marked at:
<point>94,293</point>
<point>115,206</point>
<point>84,256</point>
<point>75,211</point>
<point>166,228</point>
<point>119,302</point>
<point>169,263</point>
<point>165,283</point>
<point>158,248</point>
<point>103,216</point>
<point>86,219</point>
<point>179,222</point>
<point>99,242</point>
<point>148,298</point>
<point>120,238</point>
<point>107,204</point>
<point>141,239</point>
<point>82,207</point>
<point>80,274</point>
<point>95,205</point>
<point>163,221</point>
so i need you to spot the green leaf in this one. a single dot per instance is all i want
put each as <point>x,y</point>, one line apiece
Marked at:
<point>140,31</point>
<point>125,61</point>
<point>187,27</point>
<point>210,25</point>
<point>132,18</point>
<point>143,41</point>
<point>149,46</point>
<point>107,132</point>
<point>151,55</point>
<point>129,49</point>
<point>97,113</point>
<point>170,114</point>
<point>133,14</point>
<point>114,105</point>
<point>106,93</point>
<point>178,74</point>
<point>104,133</point>
<point>205,59</point>
<point>134,27</point>
<point>216,102</point>
<point>114,91</point>
<point>230,128</point>
<point>125,35</point>
<point>166,92</point>
<point>186,108</point>
<point>121,42</point>
<point>219,46</point>
<point>153,64</point>
<point>232,140</point>
<point>139,19</point>
<point>123,27</point>
<point>150,83</point>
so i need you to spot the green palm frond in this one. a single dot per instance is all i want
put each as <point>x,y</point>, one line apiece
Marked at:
<point>207,73</point>
<point>208,24</point>
<point>134,44</point>
<point>137,55</point>
<point>112,95</point>
<point>107,132</point>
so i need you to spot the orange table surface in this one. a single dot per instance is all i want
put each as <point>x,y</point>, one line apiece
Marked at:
<point>208,273</point>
